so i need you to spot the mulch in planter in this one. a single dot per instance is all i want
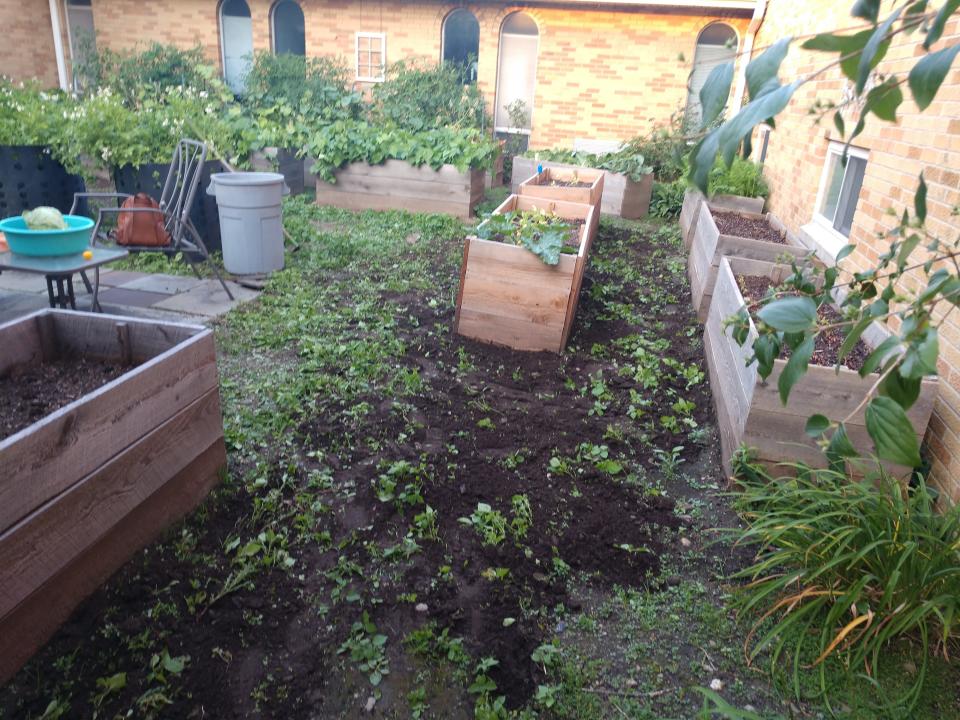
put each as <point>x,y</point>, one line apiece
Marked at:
<point>826,350</point>
<point>28,394</point>
<point>729,223</point>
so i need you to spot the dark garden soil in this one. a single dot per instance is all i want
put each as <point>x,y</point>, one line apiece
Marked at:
<point>729,223</point>
<point>826,350</point>
<point>27,394</point>
<point>483,427</point>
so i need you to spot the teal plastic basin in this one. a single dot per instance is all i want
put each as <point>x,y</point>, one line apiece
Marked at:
<point>42,243</point>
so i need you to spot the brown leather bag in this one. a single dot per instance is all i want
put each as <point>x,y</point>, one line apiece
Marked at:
<point>141,228</point>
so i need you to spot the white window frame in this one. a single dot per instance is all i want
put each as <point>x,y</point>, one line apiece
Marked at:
<point>382,37</point>
<point>820,229</point>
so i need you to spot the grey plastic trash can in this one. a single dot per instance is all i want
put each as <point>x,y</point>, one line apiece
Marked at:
<point>251,220</point>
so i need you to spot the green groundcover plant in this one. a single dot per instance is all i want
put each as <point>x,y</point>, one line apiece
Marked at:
<point>344,142</point>
<point>847,566</point>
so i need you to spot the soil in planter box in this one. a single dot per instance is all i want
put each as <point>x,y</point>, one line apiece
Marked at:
<point>827,348</point>
<point>729,223</point>
<point>27,394</point>
<point>569,184</point>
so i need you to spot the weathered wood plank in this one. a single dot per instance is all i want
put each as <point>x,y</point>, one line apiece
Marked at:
<point>96,335</point>
<point>509,332</point>
<point>31,624</point>
<point>46,458</point>
<point>455,191</point>
<point>538,185</point>
<point>47,540</point>
<point>689,214</point>
<point>21,342</point>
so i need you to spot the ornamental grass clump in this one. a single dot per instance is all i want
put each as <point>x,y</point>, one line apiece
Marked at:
<point>849,567</point>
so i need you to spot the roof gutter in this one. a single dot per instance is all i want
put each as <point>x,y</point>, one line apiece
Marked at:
<point>58,45</point>
<point>759,12</point>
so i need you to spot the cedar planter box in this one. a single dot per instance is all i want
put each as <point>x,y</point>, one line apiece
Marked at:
<point>540,185</point>
<point>690,211</point>
<point>709,246</point>
<point>749,410</point>
<point>398,185</point>
<point>622,196</point>
<point>508,296</point>
<point>87,486</point>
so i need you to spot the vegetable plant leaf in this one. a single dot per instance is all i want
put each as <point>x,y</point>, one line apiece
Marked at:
<point>546,245</point>
<point>817,425</point>
<point>795,368</point>
<point>790,314</point>
<point>761,72</point>
<point>928,74</point>
<point>714,93</point>
<point>892,433</point>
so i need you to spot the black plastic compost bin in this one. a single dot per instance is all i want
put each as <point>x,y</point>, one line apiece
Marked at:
<point>30,177</point>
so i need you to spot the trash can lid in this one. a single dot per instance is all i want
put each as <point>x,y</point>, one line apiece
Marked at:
<point>246,178</point>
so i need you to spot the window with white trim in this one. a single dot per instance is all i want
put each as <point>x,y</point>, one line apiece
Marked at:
<point>840,188</point>
<point>371,56</point>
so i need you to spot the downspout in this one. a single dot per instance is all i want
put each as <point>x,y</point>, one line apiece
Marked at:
<point>759,12</point>
<point>58,44</point>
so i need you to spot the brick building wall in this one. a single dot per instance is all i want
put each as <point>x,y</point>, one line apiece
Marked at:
<point>607,74</point>
<point>27,50</point>
<point>896,153</point>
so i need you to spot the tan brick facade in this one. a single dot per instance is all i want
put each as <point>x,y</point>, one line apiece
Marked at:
<point>928,141</point>
<point>27,49</point>
<point>606,74</point>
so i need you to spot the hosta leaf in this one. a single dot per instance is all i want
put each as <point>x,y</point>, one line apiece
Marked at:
<point>790,314</point>
<point>869,57</point>
<point>795,368</point>
<point>928,74</point>
<point>936,27</point>
<point>817,425</point>
<point>892,433</point>
<point>714,93</point>
<point>761,72</point>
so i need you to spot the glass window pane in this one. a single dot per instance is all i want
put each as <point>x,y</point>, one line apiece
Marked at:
<point>288,29</point>
<point>850,194</point>
<point>831,196</point>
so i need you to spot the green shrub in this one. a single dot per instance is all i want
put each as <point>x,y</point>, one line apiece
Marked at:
<point>345,142</point>
<point>663,149</point>
<point>420,95</point>
<point>850,566</point>
<point>32,115</point>
<point>741,178</point>
<point>667,198</point>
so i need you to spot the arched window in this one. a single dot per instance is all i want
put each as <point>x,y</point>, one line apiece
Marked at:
<point>288,28</point>
<point>461,42</point>
<point>236,40</point>
<point>517,73</point>
<point>716,45</point>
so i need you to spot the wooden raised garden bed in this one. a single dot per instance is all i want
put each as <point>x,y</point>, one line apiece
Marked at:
<point>751,235</point>
<point>508,296</point>
<point>622,196</point>
<point>579,185</point>
<point>749,410</point>
<point>85,486</point>
<point>398,185</point>
<point>690,211</point>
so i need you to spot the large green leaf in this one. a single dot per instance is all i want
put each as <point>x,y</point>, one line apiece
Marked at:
<point>901,390</point>
<point>817,425</point>
<point>757,111</point>
<point>936,27</point>
<point>766,349</point>
<point>884,99</point>
<point>920,359</point>
<point>878,355</point>
<point>546,244</point>
<point>703,156</point>
<point>761,72</point>
<point>795,368</point>
<point>790,314</point>
<point>891,432</point>
<point>927,75</point>
<point>920,200</point>
<point>868,58</point>
<point>866,9</point>
<point>840,447</point>
<point>714,93</point>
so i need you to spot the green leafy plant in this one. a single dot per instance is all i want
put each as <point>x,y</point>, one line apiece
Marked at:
<point>851,564</point>
<point>742,177</point>
<point>627,160</point>
<point>522,516</point>
<point>490,524</point>
<point>876,292</point>
<point>367,649</point>
<point>544,234</point>
<point>667,198</point>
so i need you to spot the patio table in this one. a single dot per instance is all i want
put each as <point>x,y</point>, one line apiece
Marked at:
<point>60,269</point>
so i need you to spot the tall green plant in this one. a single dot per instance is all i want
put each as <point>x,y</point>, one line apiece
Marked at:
<point>850,565</point>
<point>876,292</point>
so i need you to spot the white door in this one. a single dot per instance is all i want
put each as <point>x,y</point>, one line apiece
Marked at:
<point>237,49</point>
<point>517,77</point>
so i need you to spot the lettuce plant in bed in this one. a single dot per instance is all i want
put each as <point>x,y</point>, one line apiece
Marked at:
<point>544,234</point>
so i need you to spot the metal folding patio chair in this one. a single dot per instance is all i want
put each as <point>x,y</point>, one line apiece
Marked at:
<point>176,202</point>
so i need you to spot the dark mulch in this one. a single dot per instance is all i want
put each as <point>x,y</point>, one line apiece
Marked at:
<point>729,223</point>
<point>826,351</point>
<point>27,394</point>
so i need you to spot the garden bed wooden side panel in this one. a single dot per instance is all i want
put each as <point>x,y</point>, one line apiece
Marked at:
<point>538,185</point>
<point>708,247</point>
<point>689,214</point>
<point>398,185</point>
<point>622,196</point>
<point>749,410</point>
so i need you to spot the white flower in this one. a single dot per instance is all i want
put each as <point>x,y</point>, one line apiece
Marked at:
<point>716,684</point>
